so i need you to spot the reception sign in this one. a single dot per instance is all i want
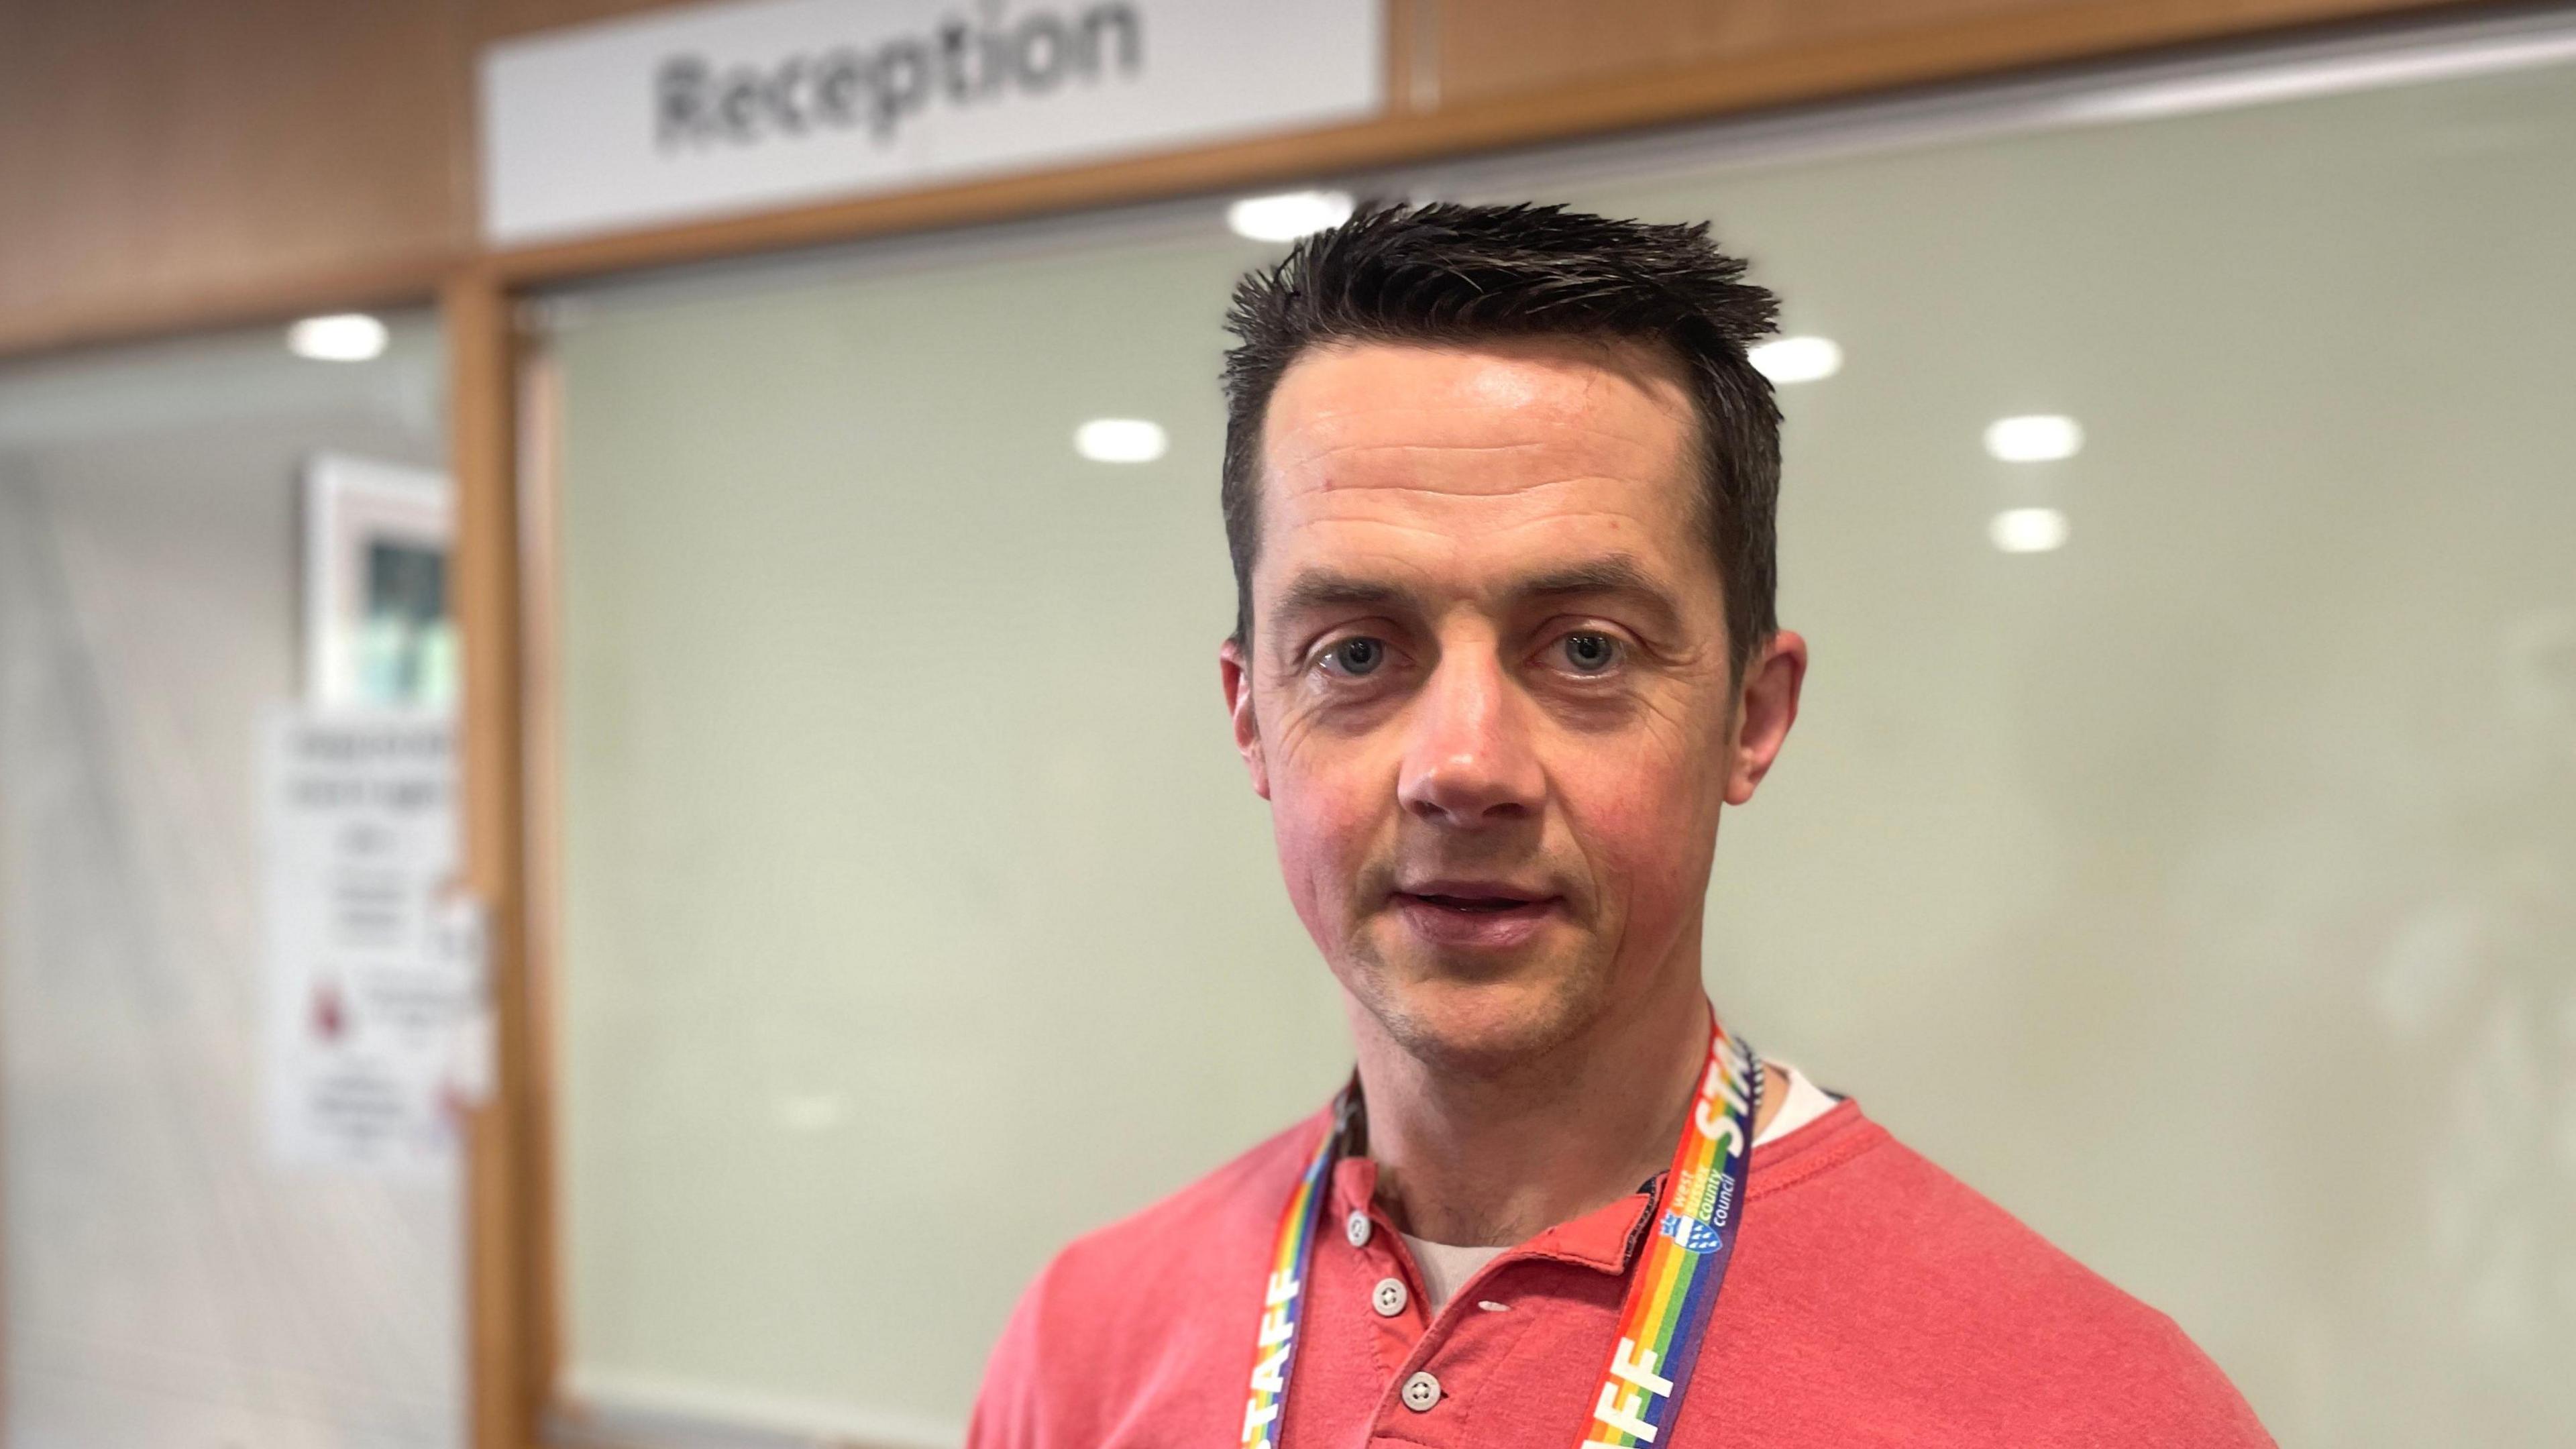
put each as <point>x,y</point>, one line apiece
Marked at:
<point>723,109</point>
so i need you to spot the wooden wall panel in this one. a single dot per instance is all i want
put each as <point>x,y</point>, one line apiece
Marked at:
<point>1495,49</point>
<point>502,19</point>
<point>168,163</point>
<point>1491,48</point>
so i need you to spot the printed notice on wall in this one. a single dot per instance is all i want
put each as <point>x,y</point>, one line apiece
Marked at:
<point>709,110</point>
<point>376,1021</point>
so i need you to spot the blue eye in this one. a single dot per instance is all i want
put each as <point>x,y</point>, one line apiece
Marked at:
<point>1588,653</point>
<point>1356,657</point>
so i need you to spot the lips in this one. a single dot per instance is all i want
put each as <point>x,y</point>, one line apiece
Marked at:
<point>1474,914</point>
<point>1469,902</point>
<point>1463,894</point>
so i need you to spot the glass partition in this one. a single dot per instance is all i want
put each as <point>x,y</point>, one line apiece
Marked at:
<point>2177,842</point>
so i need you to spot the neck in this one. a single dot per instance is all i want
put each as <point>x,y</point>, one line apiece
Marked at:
<point>1495,1157</point>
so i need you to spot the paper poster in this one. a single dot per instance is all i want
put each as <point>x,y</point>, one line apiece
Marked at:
<point>376,1018</point>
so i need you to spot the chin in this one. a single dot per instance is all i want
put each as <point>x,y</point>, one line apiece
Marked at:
<point>1477,1022</point>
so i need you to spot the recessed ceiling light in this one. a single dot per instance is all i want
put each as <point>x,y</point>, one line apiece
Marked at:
<point>341,337</point>
<point>1120,440</point>
<point>1288,215</point>
<point>2034,438</point>
<point>1797,359</point>
<point>2027,530</point>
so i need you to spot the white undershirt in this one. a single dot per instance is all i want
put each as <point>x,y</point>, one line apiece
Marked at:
<point>1445,1266</point>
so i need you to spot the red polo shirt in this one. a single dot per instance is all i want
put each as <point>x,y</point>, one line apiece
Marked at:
<point>1873,1300</point>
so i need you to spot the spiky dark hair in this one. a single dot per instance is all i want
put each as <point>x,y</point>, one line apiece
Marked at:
<point>1441,272</point>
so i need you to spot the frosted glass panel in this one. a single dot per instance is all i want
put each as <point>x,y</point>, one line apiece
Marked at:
<point>2199,888</point>
<point>918,912</point>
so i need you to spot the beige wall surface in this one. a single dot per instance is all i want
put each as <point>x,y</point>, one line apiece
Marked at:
<point>2197,890</point>
<point>169,1283</point>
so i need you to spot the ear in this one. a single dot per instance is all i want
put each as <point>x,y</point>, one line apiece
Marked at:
<point>1236,675</point>
<point>1764,710</point>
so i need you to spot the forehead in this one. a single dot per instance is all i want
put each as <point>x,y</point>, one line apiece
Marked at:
<point>1416,456</point>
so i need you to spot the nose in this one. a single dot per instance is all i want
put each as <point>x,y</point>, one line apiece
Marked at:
<point>1469,761</point>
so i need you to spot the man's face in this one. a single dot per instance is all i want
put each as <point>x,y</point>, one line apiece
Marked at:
<point>1487,692</point>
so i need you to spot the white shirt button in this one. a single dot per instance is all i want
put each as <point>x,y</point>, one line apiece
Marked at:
<point>1357,1230</point>
<point>1389,1299</point>
<point>1420,1392</point>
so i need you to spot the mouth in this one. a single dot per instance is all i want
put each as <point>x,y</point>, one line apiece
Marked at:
<point>1473,914</point>
<point>1452,902</point>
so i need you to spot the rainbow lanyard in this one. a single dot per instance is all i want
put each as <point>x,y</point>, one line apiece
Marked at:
<point>1665,1317</point>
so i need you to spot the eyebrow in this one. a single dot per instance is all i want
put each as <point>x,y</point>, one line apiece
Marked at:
<point>1320,589</point>
<point>1616,573</point>
<point>1317,589</point>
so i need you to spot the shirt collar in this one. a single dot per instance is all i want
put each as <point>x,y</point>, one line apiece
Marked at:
<point>1605,1240</point>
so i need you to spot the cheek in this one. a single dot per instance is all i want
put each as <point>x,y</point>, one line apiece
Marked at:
<point>1646,825</point>
<point>1327,820</point>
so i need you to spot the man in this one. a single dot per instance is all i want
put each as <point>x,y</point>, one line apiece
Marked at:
<point>1499,488</point>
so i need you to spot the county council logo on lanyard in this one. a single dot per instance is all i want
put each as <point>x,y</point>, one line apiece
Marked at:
<point>1669,1299</point>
